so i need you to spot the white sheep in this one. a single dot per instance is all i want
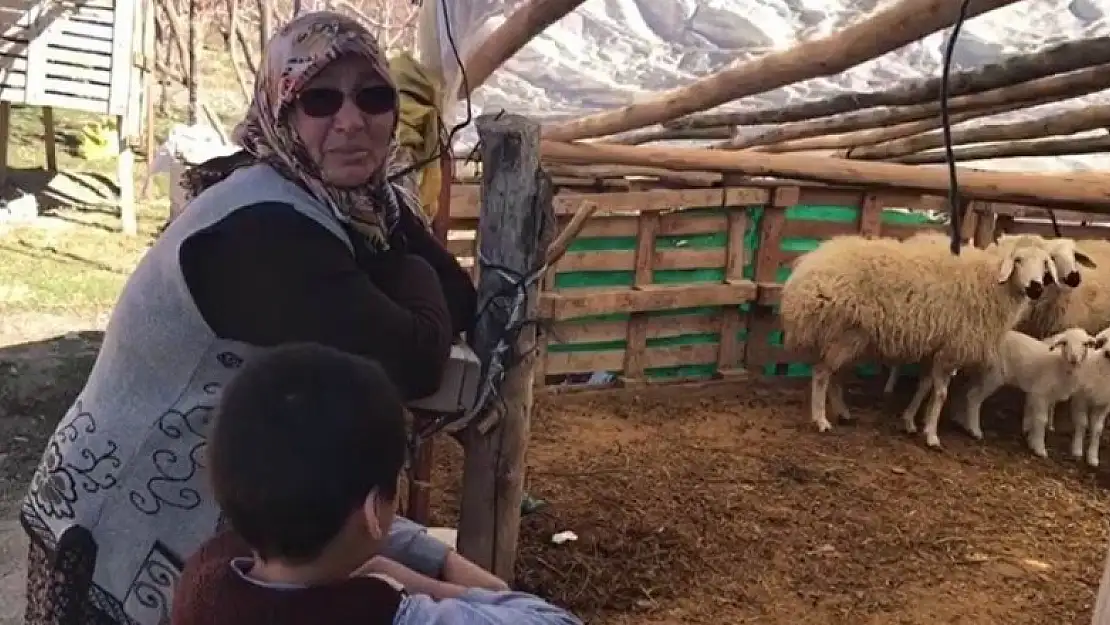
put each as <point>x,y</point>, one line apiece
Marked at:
<point>1064,251</point>
<point>1042,320</point>
<point>1086,306</point>
<point>1091,402</point>
<point>1047,370</point>
<point>854,299</point>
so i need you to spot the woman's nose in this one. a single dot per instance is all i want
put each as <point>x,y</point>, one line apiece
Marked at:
<point>348,117</point>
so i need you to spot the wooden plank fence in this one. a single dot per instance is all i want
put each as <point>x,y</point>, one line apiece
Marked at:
<point>684,283</point>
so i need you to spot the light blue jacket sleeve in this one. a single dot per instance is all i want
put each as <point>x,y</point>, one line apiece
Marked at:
<point>410,544</point>
<point>482,607</point>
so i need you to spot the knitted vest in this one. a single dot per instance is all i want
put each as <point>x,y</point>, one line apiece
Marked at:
<point>127,460</point>
<point>210,592</point>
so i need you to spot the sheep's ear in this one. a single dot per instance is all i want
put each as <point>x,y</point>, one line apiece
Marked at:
<point>1099,342</point>
<point>1006,269</point>
<point>1084,260</point>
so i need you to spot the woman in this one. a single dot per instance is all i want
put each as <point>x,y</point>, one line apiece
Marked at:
<point>299,237</point>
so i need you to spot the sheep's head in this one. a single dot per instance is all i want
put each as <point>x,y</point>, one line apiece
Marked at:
<point>1009,242</point>
<point>1028,268</point>
<point>1068,259</point>
<point>1072,344</point>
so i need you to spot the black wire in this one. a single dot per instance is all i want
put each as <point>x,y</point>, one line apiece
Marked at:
<point>954,209</point>
<point>954,212</point>
<point>445,144</point>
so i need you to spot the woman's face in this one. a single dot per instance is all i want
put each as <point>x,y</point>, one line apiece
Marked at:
<point>345,117</point>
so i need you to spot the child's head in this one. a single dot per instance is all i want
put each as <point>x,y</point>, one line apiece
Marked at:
<point>305,455</point>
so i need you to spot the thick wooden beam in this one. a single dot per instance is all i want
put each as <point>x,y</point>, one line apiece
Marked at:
<point>528,20</point>
<point>1058,87</point>
<point>514,226</point>
<point>1066,57</point>
<point>898,24</point>
<point>1092,192</point>
<point>1090,117</point>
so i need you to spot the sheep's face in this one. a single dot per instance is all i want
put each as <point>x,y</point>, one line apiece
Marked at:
<point>1068,259</point>
<point>1027,267</point>
<point>1072,345</point>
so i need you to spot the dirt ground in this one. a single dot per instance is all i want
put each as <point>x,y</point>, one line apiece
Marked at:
<point>725,506</point>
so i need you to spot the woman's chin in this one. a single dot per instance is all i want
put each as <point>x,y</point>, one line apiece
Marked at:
<point>347,178</point>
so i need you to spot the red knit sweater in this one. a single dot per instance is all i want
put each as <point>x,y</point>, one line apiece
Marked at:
<point>211,592</point>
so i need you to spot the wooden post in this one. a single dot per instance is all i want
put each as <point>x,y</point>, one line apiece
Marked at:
<point>423,464</point>
<point>514,226</point>
<point>5,140</point>
<point>125,170</point>
<point>49,139</point>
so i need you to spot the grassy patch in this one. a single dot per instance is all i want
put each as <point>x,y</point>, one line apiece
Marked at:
<point>73,259</point>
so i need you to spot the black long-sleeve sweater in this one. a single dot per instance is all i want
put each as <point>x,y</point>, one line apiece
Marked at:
<point>268,275</point>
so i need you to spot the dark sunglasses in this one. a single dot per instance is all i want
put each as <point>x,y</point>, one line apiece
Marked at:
<point>325,101</point>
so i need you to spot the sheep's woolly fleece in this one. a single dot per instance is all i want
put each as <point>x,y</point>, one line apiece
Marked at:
<point>877,287</point>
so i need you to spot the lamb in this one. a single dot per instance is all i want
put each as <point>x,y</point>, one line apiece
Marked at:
<point>855,298</point>
<point>1091,402</point>
<point>1046,370</point>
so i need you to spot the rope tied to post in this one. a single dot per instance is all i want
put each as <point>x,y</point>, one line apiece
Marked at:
<point>506,309</point>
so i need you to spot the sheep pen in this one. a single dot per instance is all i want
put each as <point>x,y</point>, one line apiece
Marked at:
<point>720,502</point>
<point>724,505</point>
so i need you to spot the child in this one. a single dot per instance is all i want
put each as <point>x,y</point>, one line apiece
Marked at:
<point>305,456</point>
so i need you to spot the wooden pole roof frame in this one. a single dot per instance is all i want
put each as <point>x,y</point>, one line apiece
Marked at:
<point>1093,192</point>
<point>899,24</point>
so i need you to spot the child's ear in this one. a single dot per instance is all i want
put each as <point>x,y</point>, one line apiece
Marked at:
<point>371,512</point>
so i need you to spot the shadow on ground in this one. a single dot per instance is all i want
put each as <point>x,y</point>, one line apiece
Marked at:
<point>85,191</point>
<point>38,381</point>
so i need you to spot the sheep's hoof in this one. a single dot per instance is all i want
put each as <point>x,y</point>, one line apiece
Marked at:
<point>1092,462</point>
<point>932,441</point>
<point>909,426</point>
<point>823,425</point>
<point>1040,453</point>
<point>977,434</point>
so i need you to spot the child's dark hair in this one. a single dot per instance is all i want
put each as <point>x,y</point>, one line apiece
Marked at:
<point>301,437</point>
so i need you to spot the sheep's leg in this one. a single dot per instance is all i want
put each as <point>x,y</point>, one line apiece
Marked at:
<point>1036,410</point>
<point>819,392</point>
<point>891,380</point>
<point>1079,420</point>
<point>983,385</point>
<point>909,415</point>
<point>836,400</point>
<point>940,377</point>
<point>1094,440</point>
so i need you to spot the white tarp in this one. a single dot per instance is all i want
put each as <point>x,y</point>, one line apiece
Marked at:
<point>610,53</point>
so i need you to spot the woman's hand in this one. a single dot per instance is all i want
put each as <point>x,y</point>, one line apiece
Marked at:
<point>409,579</point>
<point>459,570</point>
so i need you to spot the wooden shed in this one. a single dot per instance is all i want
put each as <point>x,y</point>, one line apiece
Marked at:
<point>76,55</point>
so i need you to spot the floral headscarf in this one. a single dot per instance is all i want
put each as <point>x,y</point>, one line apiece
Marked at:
<point>297,53</point>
